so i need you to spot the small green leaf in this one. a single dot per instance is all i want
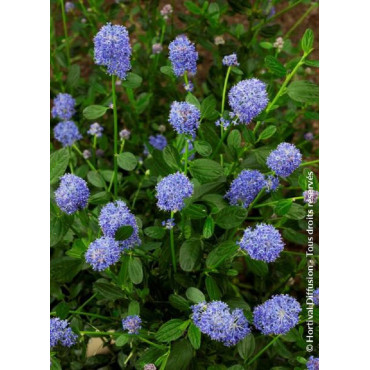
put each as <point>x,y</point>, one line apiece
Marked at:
<point>94,111</point>
<point>234,139</point>
<point>296,212</point>
<point>208,107</point>
<point>275,66</point>
<point>155,232</point>
<point>133,308</point>
<point>189,254</point>
<point>58,164</point>
<point>195,211</point>
<point>171,330</point>
<point>195,295</point>
<point>191,99</point>
<point>208,228</point>
<point>96,179</point>
<point>230,217</point>
<point>124,232</point>
<point>203,148</point>
<point>64,269</point>
<point>303,91</point>
<point>267,133</point>
<point>100,198</point>
<point>73,75</point>
<point>135,270</point>
<point>212,288</point>
<point>108,290</point>
<point>258,268</point>
<point>246,347</point>
<point>307,40</point>
<point>222,252</point>
<point>194,336</point>
<point>283,206</point>
<point>205,170</point>
<point>62,310</point>
<point>179,302</point>
<point>132,81</point>
<point>167,70</point>
<point>122,340</point>
<point>127,161</point>
<point>266,45</point>
<point>171,157</point>
<point>192,7</point>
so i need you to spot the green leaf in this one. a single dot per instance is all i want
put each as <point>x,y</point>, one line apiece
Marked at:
<point>294,236</point>
<point>192,7</point>
<point>155,232</point>
<point>171,157</point>
<point>124,232</point>
<point>296,212</point>
<point>223,251</point>
<point>58,164</point>
<point>267,133</point>
<point>94,111</point>
<point>234,139</point>
<point>303,91</point>
<point>230,217</point>
<point>203,148</point>
<point>100,198</point>
<point>77,250</point>
<point>122,340</point>
<point>208,228</point>
<point>132,81</point>
<point>135,270</point>
<point>307,40</point>
<point>246,347</point>
<point>283,206</point>
<point>205,170</point>
<point>107,290</point>
<point>59,225</point>
<point>266,45</point>
<point>191,99</point>
<point>171,330</point>
<point>312,63</point>
<point>194,336</point>
<point>189,254</point>
<point>195,295</point>
<point>180,357</point>
<point>64,269</point>
<point>179,302</point>
<point>195,211</point>
<point>212,288</point>
<point>259,268</point>
<point>73,75</point>
<point>167,70</point>
<point>127,161</point>
<point>62,310</point>
<point>275,66</point>
<point>208,107</point>
<point>133,308</point>
<point>96,179</point>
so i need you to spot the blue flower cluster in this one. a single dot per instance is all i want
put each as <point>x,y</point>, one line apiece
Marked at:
<point>230,60</point>
<point>64,107</point>
<point>277,315</point>
<point>263,243</point>
<point>183,56</point>
<point>284,160</point>
<point>216,320</point>
<point>66,132</point>
<point>313,363</point>
<point>172,191</point>
<point>169,224</point>
<point>316,297</point>
<point>189,86</point>
<point>115,215</point>
<point>112,49</point>
<point>310,196</point>
<point>225,123</point>
<point>272,183</point>
<point>248,99</point>
<point>184,118</point>
<point>245,187</point>
<point>132,324</point>
<point>124,134</point>
<point>61,333</point>
<point>72,193</point>
<point>96,130</point>
<point>150,367</point>
<point>69,6</point>
<point>158,141</point>
<point>102,253</point>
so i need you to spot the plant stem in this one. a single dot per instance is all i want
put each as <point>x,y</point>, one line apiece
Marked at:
<point>186,156</point>
<point>173,247</point>
<point>263,350</point>
<point>115,145</point>
<point>259,195</point>
<point>276,201</point>
<point>309,163</point>
<point>151,343</point>
<point>87,161</point>
<point>186,78</point>
<point>224,91</point>
<point>86,302</point>
<point>70,159</point>
<point>100,333</point>
<point>91,314</point>
<point>65,31</point>
<point>112,177</point>
<point>300,20</point>
<point>225,133</point>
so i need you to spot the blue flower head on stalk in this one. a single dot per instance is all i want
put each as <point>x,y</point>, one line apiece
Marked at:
<point>66,132</point>
<point>183,56</point>
<point>172,191</point>
<point>248,99</point>
<point>96,130</point>
<point>124,134</point>
<point>313,363</point>
<point>132,324</point>
<point>272,183</point>
<point>72,193</point>
<point>158,141</point>
<point>61,333</point>
<point>244,189</point>
<point>284,160</point>
<point>263,243</point>
<point>216,320</point>
<point>310,196</point>
<point>184,118</point>
<point>230,60</point>
<point>102,253</point>
<point>69,6</point>
<point>112,49</point>
<point>277,315</point>
<point>115,215</point>
<point>316,297</point>
<point>64,107</point>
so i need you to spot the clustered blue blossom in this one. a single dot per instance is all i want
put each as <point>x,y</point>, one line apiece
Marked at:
<point>157,48</point>
<point>69,6</point>
<point>132,324</point>
<point>189,87</point>
<point>158,141</point>
<point>64,106</point>
<point>183,56</point>
<point>169,224</point>
<point>86,154</point>
<point>102,253</point>
<point>225,123</point>
<point>150,367</point>
<point>184,118</point>
<point>96,130</point>
<point>263,243</point>
<point>124,134</point>
<point>277,315</point>
<point>166,11</point>
<point>310,196</point>
<point>66,132</point>
<point>285,159</point>
<point>244,189</point>
<point>115,215</point>
<point>272,183</point>
<point>248,99</point>
<point>230,60</point>
<point>172,191</point>
<point>72,193</point>
<point>313,363</point>
<point>112,49</point>
<point>216,320</point>
<point>316,297</point>
<point>61,333</point>
<point>308,136</point>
